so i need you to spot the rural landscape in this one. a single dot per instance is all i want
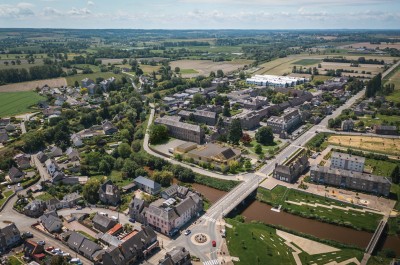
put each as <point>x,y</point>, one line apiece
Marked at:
<point>123,142</point>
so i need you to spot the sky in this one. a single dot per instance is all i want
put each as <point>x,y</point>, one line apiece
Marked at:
<point>201,14</point>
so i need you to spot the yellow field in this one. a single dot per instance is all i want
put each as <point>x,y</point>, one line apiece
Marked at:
<point>369,143</point>
<point>31,85</point>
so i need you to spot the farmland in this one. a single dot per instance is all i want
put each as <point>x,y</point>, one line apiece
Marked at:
<point>306,62</point>
<point>204,67</point>
<point>394,79</point>
<point>368,45</point>
<point>29,86</point>
<point>12,103</point>
<point>368,143</point>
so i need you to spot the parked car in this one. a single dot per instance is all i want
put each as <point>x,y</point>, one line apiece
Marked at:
<point>27,235</point>
<point>187,232</point>
<point>131,220</point>
<point>41,242</point>
<point>19,184</point>
<point>214,244</point>
<point>8,187</point>
<point>79,208</point>
<point>50,248</point>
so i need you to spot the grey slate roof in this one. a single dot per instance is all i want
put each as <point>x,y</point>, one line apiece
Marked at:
<point>147,182</point>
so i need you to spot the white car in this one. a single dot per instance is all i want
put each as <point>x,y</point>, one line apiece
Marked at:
<point>8,187</point>
<point>19,184</point>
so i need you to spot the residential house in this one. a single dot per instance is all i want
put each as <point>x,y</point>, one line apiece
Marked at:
<point>133,249</point>
<point>51,166</point>
<point>3,136</point>
<point>181,130</point>
<point>108,127</point>
<point>109,193</point>
<point>72,154</point>
<point>147,185</point>
<point>71,199</point>
<point>42,157</point>
<point>103,223</point>
<point>84,246</point>
<point>290,171</point>
<point>177,256</point>
<point>23,161</point>
<point>347,161</point>
<point>76,140</point>
<point>87,82</point>
<point>9,237</point>
<point>35,208</point>
<point>385,130</point>
<point>350,180</point>
<point>33,250</point>
<point>15,175</point>
<point>136,210</point>
<point>129,187</point>
<point>53,204</point>
<point>170,192</point>
<point>347,125</point>
<point>51,222</point>
<point>105,84</point>
<point>55,152</point>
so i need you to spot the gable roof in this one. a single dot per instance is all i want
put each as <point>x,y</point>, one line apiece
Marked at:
<point>102,220</point>
<point>147,182</point>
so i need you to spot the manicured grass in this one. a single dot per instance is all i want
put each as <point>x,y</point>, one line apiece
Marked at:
<point>257,244</point>
<point>266,148</point>
<point>117,179</point>
<point>306,62</point>
<point>369,121</point>
<point>12,103</point>
<point>380,167</point>
<point>14,261</point>
<point>188,71</point>
<point>338,256</point>
<point>71,79</point>
<point>44,196</point>
<point>275,197</point>
<point>6,194</point>
<point>86,235</point>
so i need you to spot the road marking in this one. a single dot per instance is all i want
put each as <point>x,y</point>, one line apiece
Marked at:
<point>211,262</point>
<point>207,218</point>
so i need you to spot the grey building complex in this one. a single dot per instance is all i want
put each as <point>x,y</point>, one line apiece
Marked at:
<point>290,119</point>
<point>200,116</point>
<point>347,162</point>
<point>181,130</point>
<point>290,173</point>
<point>350,180</point>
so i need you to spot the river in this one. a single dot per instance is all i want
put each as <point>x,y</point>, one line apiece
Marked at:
<point>262,212</point>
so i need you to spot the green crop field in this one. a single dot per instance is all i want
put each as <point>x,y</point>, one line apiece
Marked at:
<point>12,103</point>
<point>188,71</point>
<point>306,62</point>
<point>394,78</point>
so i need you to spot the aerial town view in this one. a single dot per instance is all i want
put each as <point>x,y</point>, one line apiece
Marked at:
<point>177,132</point>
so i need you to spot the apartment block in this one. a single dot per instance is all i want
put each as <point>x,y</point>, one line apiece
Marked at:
<point>347,162</point>
<point>181,130</point>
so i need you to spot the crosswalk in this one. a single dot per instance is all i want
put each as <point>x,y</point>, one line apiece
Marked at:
<point>211,262</point>
<point>208,218</point>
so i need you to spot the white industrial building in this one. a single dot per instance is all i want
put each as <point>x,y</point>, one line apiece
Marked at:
<point>275,80</point>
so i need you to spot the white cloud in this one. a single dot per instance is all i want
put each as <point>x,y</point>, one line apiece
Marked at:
<point>19,10</point>
<point>90,3</point>
<point>79,12</point>
<point>51,12</point>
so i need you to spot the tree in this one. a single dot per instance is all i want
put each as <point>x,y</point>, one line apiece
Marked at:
<point>199,99</point>
<point>124,150</point>
<point>76,84</point>
<point>177,69</point>
<point>163,177</point>
<point>265,136</point>
<point>227,109</point>
<point>246,139</point>
<point>105,167</point>
<point>91,190</point>
<point>242,75</point>
<point>258,149</point>
<point>247,165</point>
<point>396,175</point>
<point>235,131</point>
<point>158,133</point>
<point>220,73</point>
<point>58,260</point>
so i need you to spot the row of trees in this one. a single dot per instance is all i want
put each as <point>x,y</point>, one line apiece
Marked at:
<point>14,75</point>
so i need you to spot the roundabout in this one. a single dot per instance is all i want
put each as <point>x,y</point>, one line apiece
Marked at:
<point>200,239</point>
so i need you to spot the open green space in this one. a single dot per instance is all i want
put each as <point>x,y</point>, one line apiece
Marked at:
<point>12,103</point>
<point>394,222</point>
<point>71,79</point>
<point>257,244</point>
<point>380,167</point>
<point>6,195</point>
<point>349,218</point>
<point>265,148</point>
<point>188,71</point>
<point>379,119</point>
<point>393,78</point>
<point>219,184</point>
<point>14,261</point>
<point>44,196</point>
<point>306,62</point>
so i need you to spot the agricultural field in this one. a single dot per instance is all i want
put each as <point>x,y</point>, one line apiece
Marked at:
<point>204,67</point>
<point>368,45</point>
<point>31,85</point>
<point>367,143</point>
<point>24,64</point>
<point>394,79</point>
<point>12,103</point>
<point>307,62</point>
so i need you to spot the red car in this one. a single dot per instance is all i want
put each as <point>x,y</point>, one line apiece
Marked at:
<point>49,248</point>
<point>214,244</point>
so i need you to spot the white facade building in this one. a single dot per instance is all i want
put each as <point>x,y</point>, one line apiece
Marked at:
<point>347,162</point>
<point>275,80</point>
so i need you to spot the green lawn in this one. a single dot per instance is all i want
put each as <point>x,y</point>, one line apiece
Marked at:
<point>273,197</point>
<point>266,148</point>
<point>14,261</point>
<point>257,244</point>
<point>339,256</point>
<point>12,103</point>
<point>394,222</point>
<point>369,121</point>
<point>71,79</point>
<point>6,194</point>
<point>379,167</point>
<point>44,196</point>
<point>94,68</point>
<point>320,78</point>
<point>306,62</point>
<point>188,71</point>
<point>393,78</point>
